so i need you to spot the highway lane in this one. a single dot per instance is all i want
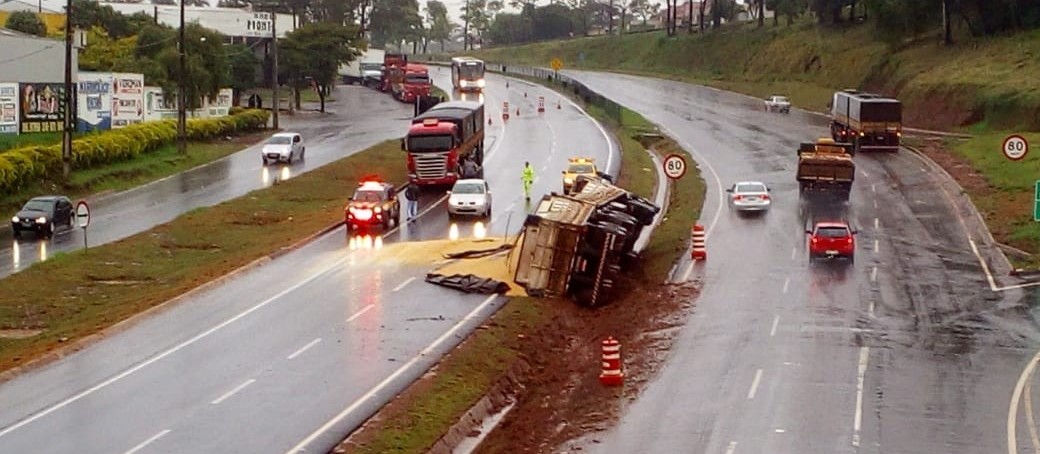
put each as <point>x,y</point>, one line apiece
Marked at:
<point>907,350</point>
<point>360,118</point>
<point>293,354</point>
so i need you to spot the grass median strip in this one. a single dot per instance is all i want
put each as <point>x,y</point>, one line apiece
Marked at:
<point>145,168</point>
<point>77,294</point>
<point>417,418</point>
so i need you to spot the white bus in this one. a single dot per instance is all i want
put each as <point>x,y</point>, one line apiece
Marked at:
<point>467,73</point>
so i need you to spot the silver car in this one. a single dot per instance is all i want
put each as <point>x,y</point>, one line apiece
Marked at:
<point>470,197</point>
<point>749,196</point>
<point>283,147</point>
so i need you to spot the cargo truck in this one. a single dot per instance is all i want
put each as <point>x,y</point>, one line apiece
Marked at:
<point>392,63</point>
<point>411,83</point>
<point>825,169</point>
<point>440,138</point>
<point>867,121</point>
<point>366,69</point>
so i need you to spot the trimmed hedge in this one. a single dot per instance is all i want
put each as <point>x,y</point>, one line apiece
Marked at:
<point>20,166</point>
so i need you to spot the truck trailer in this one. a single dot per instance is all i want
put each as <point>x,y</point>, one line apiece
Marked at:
<point>825,170</point>
<point>867,121</point>
<point>366,69</point>
<point>440,138</point>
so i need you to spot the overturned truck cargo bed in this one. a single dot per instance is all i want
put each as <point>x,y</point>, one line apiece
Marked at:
<point>576,245</point>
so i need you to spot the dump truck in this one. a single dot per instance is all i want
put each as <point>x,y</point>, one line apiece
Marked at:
<point>825,169</point>
<point>578,245</point>
<point>866,120</point>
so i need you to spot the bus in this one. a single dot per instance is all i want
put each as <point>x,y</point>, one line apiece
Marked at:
<point>467,73</point>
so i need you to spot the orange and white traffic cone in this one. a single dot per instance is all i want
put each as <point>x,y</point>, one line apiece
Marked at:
<point>611,374</point>
<point>557,104</point>
<point>699,237</point>
<point>518,111</point>
<point>505,110</point>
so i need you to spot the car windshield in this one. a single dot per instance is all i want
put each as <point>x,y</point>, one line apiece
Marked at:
<point>38,205</point>
<point>420,144</point>
<point>280,140</point>
<point>471,70</point>
<point>750,188</point>
<point>779,99</point>
<point>368,196</point>
<point>417,79</point>
<point>832,232</point>
<point>468,188</point>
<point>581,168</point>
<point>371,66</point>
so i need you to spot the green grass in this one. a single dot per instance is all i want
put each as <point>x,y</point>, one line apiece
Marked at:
<point>79,293</point>
<point>1007,202</point>
<point>422,414</point>
<point>127,174</point>
<point>993,78</point>
<point>436,91</point>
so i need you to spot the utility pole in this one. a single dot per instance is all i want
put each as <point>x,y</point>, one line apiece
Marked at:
<point>182,98</point>
<point>274,52</point>
<point>465,28</point>
<point>66,135</point>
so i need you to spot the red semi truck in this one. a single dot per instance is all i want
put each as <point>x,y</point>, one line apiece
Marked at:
<point>441,138</point>
<point>391,62</point>
<point>411,82</point>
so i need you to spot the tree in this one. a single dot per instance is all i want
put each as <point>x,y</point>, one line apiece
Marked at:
<point>104,53</point>
<point>243,64</point>
<point>643,9</point>
<point>206,68</point>
<point>315,52</point>
<point>440,26</point>
<point>394,21</point>
<point>26,22</point>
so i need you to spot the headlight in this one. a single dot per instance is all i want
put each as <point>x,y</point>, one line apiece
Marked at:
<point>41,220</point>
<point>568,180</point>
<point>15,219</point>
<point>379,210</point>
<point>480,83</point>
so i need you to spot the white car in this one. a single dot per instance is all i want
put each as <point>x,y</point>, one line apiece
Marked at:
<point>778,103</point>
<point>749,196</point>
<point>471,197</point>
<point>283,147</point>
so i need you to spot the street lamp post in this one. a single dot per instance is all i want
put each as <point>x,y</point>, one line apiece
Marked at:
<point>182,101</point>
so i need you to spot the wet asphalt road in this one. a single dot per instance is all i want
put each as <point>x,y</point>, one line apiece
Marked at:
<point>906,350</point>
<point>298,352</point>
<point>360,118</point>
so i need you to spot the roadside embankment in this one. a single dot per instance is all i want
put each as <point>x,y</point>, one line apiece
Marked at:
<point>541,356</point>
<point>59,304</point>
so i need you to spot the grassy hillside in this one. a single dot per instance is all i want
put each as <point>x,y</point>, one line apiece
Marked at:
<point>991,81</point>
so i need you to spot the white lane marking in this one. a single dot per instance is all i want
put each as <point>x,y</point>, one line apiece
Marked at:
<point>989,275</point>
<point>876,245</point>
<point>877,224</point>
<point>873,188</point>
<point>611,151</point>
<point>147,442</point>
<point>865,174</point>
<point>511,206</point>
<point>386,382</point>
<point>754,384</point>
<point>875,204</point>
<point>731,448</point>
<point>864,357</point>
<point>689,271</point>
<point>786,283</point>
<point>303,349</point>
<point>360,313</point>
<point>870,310</point>
<point>1030,419</point>
<point>171,350</point>
<point>403,284</point>
<point>1016,397</point>
<point>779,431</point>
<point>776,322</point>
<point>873,274</point>
<point>228,394</point>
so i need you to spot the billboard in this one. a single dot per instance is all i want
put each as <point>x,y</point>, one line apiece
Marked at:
<point>94,101</point>
<point>156,108</point>
<point>220,106</point>
<point>127,99</point>
<point>42,107</point>
<point>8,108</point>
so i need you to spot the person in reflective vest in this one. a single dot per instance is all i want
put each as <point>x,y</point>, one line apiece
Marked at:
<point>528,179</point>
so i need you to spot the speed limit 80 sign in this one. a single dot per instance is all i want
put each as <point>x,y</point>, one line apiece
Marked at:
<point>674,166</point>
<point>1015,147</point>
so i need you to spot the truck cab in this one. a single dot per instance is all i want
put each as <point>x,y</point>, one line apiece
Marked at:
<point>412,83</point>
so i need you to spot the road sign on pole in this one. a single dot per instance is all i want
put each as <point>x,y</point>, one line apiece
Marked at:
<point>1015,147</point>
<point>83,219</point>
<point>674,166</point>
<point>556,64</point>
<point>1036,202</point>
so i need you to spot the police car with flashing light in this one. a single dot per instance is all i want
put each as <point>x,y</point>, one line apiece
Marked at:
<point>374,203</point>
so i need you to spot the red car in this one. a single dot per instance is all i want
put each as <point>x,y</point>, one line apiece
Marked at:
<point>832,239</point>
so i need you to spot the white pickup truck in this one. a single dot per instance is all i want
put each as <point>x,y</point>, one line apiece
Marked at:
<point>778,103</point>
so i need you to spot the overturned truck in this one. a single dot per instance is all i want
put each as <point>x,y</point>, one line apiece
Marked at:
<point>576,245</point>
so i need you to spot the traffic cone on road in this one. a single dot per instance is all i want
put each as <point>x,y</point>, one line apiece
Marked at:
<point>557,104</point>
<point>518,111</point>
<point>611,374</point>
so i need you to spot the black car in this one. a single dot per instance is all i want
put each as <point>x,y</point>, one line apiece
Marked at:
<point>374,203</point>
<point>43,215</point>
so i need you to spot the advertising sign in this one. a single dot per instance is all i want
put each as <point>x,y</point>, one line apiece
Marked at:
<point>127,99</point>
<point>42,107</point>
<point>220,106</point>
<point>94,101</point>
<point>8,108</point>
<point>156,107</point>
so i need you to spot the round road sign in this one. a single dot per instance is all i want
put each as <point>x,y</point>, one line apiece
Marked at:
<point>82,214</point>
<point>1015,147</point>
<point>674,166</point>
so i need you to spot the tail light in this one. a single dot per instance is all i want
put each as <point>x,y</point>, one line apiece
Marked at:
<point>814,240</point>
<point>738,197</point>
<point>848,240</point>
<point>765,196</point>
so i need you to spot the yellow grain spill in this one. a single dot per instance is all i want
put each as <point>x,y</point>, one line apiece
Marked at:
<point>492,267</point>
